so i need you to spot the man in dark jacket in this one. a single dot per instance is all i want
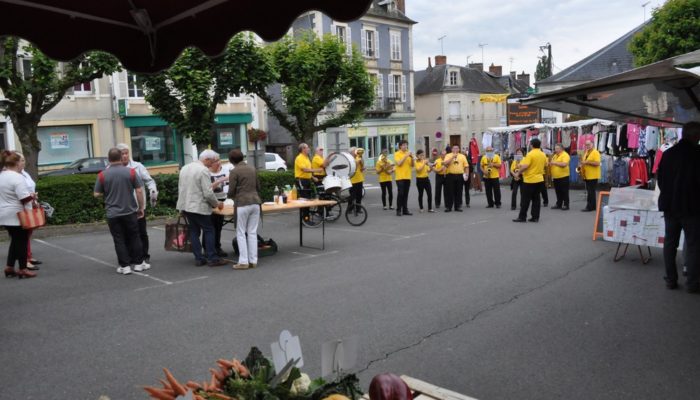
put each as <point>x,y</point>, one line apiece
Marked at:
<point>679,183</point>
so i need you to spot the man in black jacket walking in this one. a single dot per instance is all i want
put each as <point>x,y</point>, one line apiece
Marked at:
<point>679,183</point>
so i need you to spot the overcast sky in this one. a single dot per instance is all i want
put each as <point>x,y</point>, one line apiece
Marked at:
<point>516,28</point>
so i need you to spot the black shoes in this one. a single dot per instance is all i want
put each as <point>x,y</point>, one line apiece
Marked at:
<point>498,206</point>
<point>587,210</point>
<point>512,207</point>
<point>534,219</point>
<point>565,208</point>
<point>458,209</point>
<point>518,220</point>
<point>489,206</point>
<point>221,253</point>
<point>407,213</point>
<point>448,210</point>
<point>218,263</point>
<point>556,207</point>
<point>200,263</point>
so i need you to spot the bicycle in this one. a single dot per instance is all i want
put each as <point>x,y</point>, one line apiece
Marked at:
<point>355,214</point>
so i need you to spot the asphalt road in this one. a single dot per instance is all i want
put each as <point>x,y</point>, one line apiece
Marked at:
<point>471,302</point>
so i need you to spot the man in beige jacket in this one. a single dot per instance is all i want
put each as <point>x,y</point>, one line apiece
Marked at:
<point>196,200</point>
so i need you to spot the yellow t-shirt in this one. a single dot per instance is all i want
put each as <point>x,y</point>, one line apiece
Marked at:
<point>536,161</point>
<point>438,167</point>
<point>359,176</point>
<point>456,165</point>
<point>317,162</point>
<point>420,164</point>
<point>383,175</point>
<point>560,172</point>
<point>302,161</point>
<point>514,165</point>
<point>589,171</point>
<point>402,172</point>
<point>495,170</point>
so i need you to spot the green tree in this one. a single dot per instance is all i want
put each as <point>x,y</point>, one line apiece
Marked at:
<point>35,92</point>
<point>314,72</point>
<point>187,94</point>
<point>674,29</point>
<point>542,71</point>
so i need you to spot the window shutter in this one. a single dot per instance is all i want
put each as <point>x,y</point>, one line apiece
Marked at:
<point>403,88</point>
<point>348,40</point>
<point>380,86</point>
<point>376,44</point>
<point>122,90</point>
<point>364,42</point>
<point>392,90</point>
<point>333,31</point>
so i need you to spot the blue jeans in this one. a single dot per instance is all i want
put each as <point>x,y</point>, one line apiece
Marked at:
<point>198,224</point>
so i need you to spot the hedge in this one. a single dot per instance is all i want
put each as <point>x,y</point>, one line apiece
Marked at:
<point>73,202</point>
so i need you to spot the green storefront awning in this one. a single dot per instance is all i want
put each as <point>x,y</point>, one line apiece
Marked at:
<point>131,121</point>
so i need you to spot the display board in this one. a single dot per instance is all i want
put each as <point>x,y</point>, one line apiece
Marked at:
<point>603,198</point>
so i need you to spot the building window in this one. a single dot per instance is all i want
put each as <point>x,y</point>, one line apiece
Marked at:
<point>391,142</point>
<point>27,69</point>
<point>358,142</point>
<point>397,88</point>
<point>396,45</point>
<point>226,138</point>
<point>3,133</point>
<point>83,88</point>
<point>64,144</point>
<point>454,109</point>
<point>378,80</point>
<point>370,42</point>
<point>453,78</point>
<point>154,145</point>
<point>343,34</point>
<point>134,87</point>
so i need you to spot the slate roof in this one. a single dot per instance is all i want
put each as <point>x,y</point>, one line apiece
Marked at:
<point>513,86</point>
<point>610,60</point>
<point>432,80</point>
<point>381,11</point>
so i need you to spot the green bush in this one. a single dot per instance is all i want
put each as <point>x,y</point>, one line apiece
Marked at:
<point>73,202</point>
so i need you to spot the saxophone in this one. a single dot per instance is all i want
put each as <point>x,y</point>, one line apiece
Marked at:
<point>580,170</point>
<point>516,172</point>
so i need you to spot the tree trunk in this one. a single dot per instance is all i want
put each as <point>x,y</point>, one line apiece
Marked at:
<point>26,131</point>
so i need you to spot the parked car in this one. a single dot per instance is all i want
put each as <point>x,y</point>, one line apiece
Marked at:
<point>273,162</point>
<point>91,165</point>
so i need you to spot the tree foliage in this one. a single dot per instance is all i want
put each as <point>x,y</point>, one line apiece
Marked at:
<point>34,93</point>
<point>187,94</point>
<point>314,72</point>
<point>674,29</point>
<point>542,71</point>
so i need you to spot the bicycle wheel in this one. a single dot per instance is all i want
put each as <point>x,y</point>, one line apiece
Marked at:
<point>313,217</point>
<point>356,214</point>
<point>335,211</point>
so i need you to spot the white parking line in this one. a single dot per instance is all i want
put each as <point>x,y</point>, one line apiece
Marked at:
<point>171,283</point>
<point>96,260</point>
<point>308,255</point>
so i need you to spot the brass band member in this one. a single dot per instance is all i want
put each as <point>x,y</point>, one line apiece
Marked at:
<point>319,163</point>
<point>423,181</point>
<point>440,176</point>
<point>457,166</point>
<point>532,170</point>
<point>490,167</point>
<point>590,170</point>
<point>358,178</point>
<point>303,168</point>
<point>517,182</point>
<point>560,176</point>
<point>402,173</point>
<point>384,169</point>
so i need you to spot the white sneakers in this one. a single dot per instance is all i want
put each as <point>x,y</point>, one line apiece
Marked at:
<point>124,270</point>
<point>137,268</point>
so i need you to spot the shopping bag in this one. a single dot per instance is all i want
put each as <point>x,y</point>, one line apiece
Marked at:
<point>32,218</point>
<point>177,236</point>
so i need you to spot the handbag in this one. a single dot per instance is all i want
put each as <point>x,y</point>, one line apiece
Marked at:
<point>177,236</point>
<point>32,218</point>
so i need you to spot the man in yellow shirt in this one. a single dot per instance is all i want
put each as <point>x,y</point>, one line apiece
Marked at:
<point>319,163</point>
<point>358,178</point>
<point>402,174</point>
<point>590,166</point>
<point>532,170</point>
<point>384,169</point>
<point>560,176</point>
<point>423,169</point>
<point>440,174</point>
<point>457,170</point>
<point>303,169</point>
<point>490,167</point>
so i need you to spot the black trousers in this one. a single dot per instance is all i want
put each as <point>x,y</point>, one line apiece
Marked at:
<point>544,194</point>
<point>466,185</point>
<point>218,221</point>
<point>516,186</point>
<point>18,246</point>
<point>531,194</point>
<point>387,190</point>
<point>561,189</point>
<point>453,192</point>
<point>356,192</point>
<point>127,242</point>
<point>423,185</point>
<point>439,188</point>
<point>402,188</point>
<point>591,185</point>
<point>493,191</point>
<point>143,234</point>
<point>691,228</point>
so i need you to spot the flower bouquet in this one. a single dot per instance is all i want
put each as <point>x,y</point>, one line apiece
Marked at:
<point>254,379</point>
<point>255,135</point>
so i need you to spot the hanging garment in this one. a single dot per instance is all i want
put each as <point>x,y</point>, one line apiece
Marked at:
<point>611,141</point>
<point>638,172</point>
<point>660,154</point>
<point>642,150</point>
<point>633,135</point>
<point>486,139</point>
<point>620,172</point>
<point>474,151</point>
<point>652,141</point>
<point>565,139</point>
<point>602,141</point>
<point>496,142</point>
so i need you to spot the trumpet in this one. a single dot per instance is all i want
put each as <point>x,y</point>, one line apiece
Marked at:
<point>516,172</point>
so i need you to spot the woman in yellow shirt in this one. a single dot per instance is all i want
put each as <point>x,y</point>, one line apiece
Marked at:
<point>358,178</point>
<point>384,169</point>
<point>423,181</point>
<point>517,182</point>
<point>402,173</point>
<point>560,176</point>
<point>440,174</point>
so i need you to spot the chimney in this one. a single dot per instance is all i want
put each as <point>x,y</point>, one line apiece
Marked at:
<point>440,60</point>
<point>430,65</point>
<point>479,66</point>
<point>512,75</point>
<point>525,78</point>
<point>496,70</point>
<point>401,6</point>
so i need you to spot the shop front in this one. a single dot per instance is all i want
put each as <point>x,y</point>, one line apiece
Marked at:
<point>375,138</point>
<point>63,144</point>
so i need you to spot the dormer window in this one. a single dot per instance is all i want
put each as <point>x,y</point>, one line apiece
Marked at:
<point>453,78</point>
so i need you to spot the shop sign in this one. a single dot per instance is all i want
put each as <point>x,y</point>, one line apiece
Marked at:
<point>519,114</point>
<point>152,143</point>
<point>225,138</point>
<point>393,130</point>
<point>355,132</point>
<point>59,140</point>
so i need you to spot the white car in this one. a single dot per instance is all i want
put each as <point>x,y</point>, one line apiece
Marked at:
<point>273,162</point>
